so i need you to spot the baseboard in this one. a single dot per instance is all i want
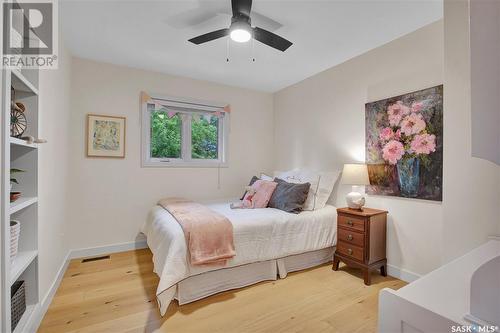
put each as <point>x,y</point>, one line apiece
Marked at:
<point>43,306</point>
<point>39,312</point>
<point>494,237</point>
<point>113,248</point>
<point>402,274</point>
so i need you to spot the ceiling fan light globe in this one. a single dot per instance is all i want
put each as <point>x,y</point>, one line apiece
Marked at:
<point>240,35</point>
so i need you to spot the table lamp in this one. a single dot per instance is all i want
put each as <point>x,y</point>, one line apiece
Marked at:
<point>355,175</point>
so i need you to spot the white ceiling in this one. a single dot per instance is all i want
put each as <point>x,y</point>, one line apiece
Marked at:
<point>153,35</point>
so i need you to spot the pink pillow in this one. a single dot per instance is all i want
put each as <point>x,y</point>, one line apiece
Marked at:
<point>263,191</point>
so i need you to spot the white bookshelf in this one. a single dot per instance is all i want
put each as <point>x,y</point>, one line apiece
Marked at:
<point>22,203</point>
<point>17,153</point>
<point>22,143</point>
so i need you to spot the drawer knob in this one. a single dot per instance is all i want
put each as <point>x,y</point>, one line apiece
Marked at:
<point>349,251</point>
<point>349,237</point>
<point>349,222</point>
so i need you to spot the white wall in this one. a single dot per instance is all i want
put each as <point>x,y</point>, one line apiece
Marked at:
<point>319,123</point>
<point>54,173</point>
<point>471,207</point>
<point>110,198</point>
<point>485,78</point>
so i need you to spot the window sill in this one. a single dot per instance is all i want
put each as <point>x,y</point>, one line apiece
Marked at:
<point>198,165</point>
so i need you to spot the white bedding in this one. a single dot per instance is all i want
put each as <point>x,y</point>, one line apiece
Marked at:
<point>259,235</point>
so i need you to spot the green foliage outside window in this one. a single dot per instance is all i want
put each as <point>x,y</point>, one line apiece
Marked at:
<point>204,138</point>
<point>165,135</point>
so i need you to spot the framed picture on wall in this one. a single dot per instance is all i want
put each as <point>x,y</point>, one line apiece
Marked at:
<point>105,136</point>
<point>404,145</point>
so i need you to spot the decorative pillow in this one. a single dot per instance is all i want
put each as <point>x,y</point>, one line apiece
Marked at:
<point>263,190</point>
<point>321,185</point>
<point>301,177</point>
<point>289,197</point>
<point>326,182</point>
<point>253,180</point>
<point>263,176</point>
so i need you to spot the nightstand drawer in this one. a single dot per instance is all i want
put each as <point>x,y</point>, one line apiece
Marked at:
<point>347,221</point>
<point>350,250</point>
<point>350,236</point>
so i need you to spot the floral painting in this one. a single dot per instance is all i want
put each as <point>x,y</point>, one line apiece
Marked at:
<point>105,136</point>
<point>404,145</point>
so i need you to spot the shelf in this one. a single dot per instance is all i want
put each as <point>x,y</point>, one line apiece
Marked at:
<point>21,83</point>
<point>21,326</point>
<point>22,260</point>
<point>22,143</point>
<point>22,203</point>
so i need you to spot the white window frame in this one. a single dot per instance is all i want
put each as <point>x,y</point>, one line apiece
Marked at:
<point>186,160</point>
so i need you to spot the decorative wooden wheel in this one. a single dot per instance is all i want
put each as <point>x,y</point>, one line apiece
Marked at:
<point>18,122</point>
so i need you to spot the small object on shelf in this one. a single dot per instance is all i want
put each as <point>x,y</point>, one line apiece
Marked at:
<point>14,196</point>
<point>20,106</point>
<point>18,122</point>
<point>361,240</point>
<point>14,180</point>
<point>14,106</point>
<point>17,303</point>
<point>15,230</point>
<point>29,139</point>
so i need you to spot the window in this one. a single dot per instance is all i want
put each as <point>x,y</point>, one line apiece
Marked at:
<point>184,133</point>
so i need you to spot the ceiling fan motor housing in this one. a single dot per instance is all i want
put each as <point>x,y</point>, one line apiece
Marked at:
<point>241,21</point>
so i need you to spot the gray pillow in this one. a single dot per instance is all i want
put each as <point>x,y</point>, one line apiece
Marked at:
<point>289,197</point>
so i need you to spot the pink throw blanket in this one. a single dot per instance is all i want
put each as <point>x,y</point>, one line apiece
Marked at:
<point>209,235</point>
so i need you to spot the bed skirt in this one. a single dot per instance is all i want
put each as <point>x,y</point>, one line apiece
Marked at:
<point>210,283</point>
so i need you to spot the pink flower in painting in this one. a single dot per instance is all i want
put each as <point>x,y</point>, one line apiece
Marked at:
<point>397,135</point>
<point>396,111</point>
<point>412,124</point>
<point>393,151</point>
<point>417,107</point>
<point>423,144</point>
<point>386,134</point>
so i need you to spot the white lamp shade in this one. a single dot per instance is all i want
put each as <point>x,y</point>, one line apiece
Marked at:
<point>355,174</point>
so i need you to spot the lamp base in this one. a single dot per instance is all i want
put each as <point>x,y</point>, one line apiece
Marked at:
<point>355,200</point>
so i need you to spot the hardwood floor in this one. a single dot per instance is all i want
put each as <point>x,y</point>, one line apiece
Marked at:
<point>118,295</point>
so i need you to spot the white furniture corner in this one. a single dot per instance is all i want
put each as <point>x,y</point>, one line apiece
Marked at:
<point>16,153</point>
<point>464,292</point>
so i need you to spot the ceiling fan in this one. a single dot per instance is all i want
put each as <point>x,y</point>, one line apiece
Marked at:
<point>242,31</point>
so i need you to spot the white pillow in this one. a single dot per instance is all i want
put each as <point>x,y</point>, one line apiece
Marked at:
<point>263,176</point>
<point>321,185</point>
<point>326,182</point>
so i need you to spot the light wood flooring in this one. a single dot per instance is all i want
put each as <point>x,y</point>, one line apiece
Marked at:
<point>118,295</point>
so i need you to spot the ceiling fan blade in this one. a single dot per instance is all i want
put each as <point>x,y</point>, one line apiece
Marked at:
<point>267,23</point>
<point>209,36</point>
<point>271,39</point>
<point>189,19</point>
<point>241,7</point>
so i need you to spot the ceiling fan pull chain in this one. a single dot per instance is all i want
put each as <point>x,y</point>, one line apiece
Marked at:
<point>253,50</point>
<point>227,50</point>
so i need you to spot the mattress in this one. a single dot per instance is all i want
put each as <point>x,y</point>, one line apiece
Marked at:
<point>259,235</point>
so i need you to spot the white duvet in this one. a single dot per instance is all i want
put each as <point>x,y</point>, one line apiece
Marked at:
<point>259,235</point>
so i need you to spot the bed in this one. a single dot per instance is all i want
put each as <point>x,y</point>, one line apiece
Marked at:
<point>268,242</point>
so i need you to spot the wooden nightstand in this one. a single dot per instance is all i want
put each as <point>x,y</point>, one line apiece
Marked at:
<point>361,239</point>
